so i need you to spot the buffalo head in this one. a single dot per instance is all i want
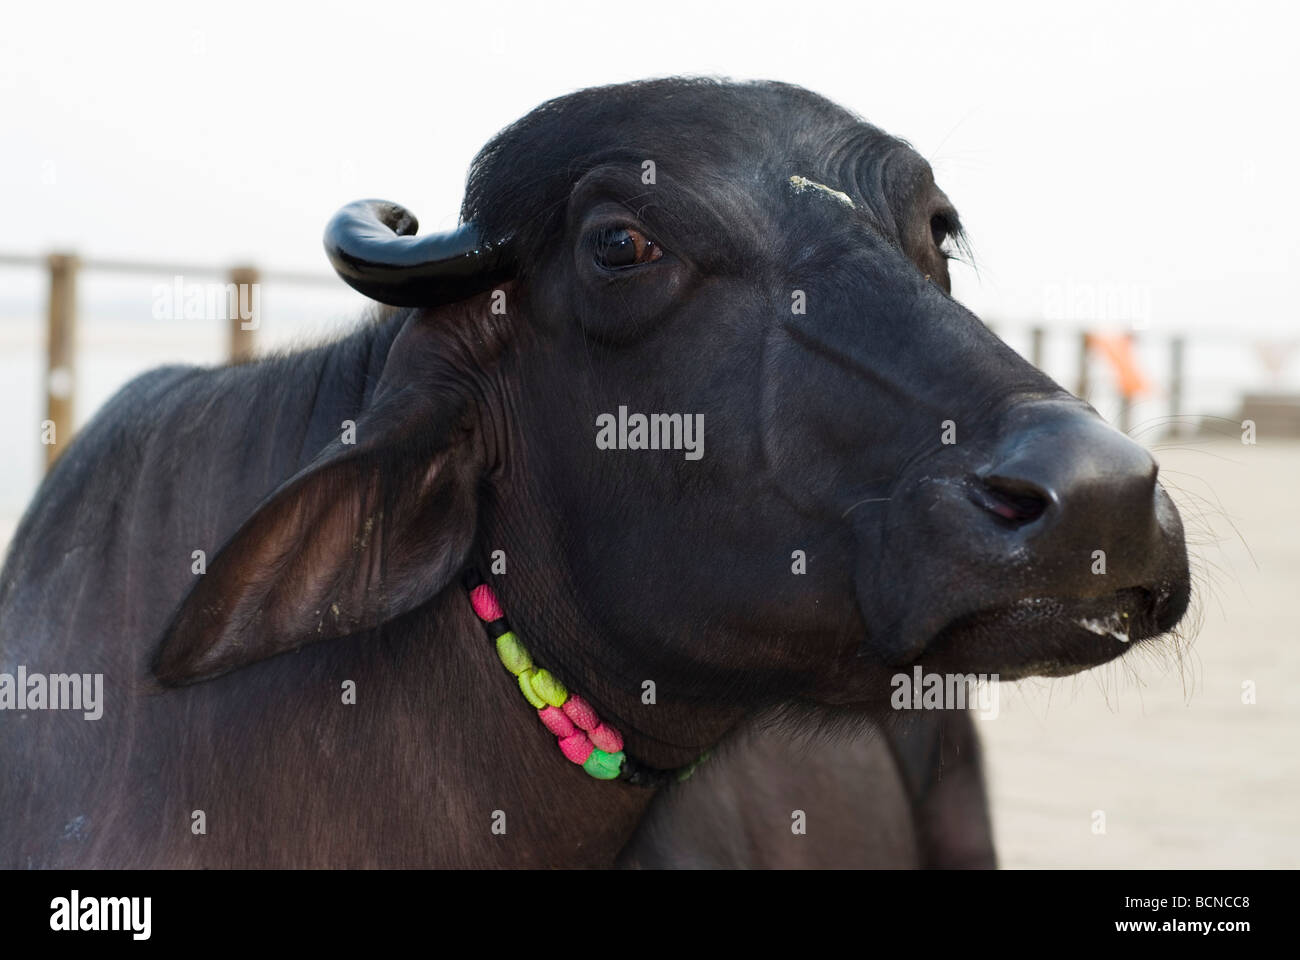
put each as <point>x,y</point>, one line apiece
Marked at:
<point>691,372</point>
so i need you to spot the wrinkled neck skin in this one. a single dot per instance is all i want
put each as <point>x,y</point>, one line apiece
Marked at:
<point>540,602</point>
<point>543,601</point>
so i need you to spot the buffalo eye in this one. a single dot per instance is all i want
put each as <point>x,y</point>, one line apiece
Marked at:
<point>940,228</point>
<point>615,248</point>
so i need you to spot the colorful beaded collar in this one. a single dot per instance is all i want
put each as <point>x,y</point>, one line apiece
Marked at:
<point>583,738</point>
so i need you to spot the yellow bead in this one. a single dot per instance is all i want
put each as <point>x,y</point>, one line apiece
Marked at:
<point>512,653</point>
<point>549,689</point>
<point>526,686</point>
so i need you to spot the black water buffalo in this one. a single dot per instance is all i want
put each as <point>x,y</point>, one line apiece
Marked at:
<point>679,429</point>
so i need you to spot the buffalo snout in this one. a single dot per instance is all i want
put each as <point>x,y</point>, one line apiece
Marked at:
<point>1047,549</point>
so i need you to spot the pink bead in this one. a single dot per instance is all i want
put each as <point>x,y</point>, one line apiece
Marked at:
<point>576,748</point>
<point>557,722</point>
<point>485,603</point>
<point>606,738</point>
<point>580,712</point>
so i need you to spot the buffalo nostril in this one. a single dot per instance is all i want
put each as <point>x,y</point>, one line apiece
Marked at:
<point>1016,501</point>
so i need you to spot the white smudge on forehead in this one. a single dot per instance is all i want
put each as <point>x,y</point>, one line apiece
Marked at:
<point>802,184</point>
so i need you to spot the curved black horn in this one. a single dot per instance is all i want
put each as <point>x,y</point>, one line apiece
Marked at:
<point>372,245</point>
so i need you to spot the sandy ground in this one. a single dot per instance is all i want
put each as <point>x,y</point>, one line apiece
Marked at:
<point>1185,773</point>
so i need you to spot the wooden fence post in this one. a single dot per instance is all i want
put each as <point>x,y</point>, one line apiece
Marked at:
<point>243,315</point>
<point>61,364</point>
<point>1126,401</point>
<point>1081,390</point>
<point>1176,350</point>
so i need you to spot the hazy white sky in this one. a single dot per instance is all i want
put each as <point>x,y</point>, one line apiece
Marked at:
<point>1144,148</point>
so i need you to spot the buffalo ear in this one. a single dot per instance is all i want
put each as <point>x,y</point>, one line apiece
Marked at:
<point>365,533</point>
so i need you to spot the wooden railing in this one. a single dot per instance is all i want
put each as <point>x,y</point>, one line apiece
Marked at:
<point>64,269</point>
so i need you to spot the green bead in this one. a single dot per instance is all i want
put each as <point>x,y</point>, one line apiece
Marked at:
<point>549,689</point>
<point>512,653</point>
<point>526,687</point>
<point>602,765</point>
